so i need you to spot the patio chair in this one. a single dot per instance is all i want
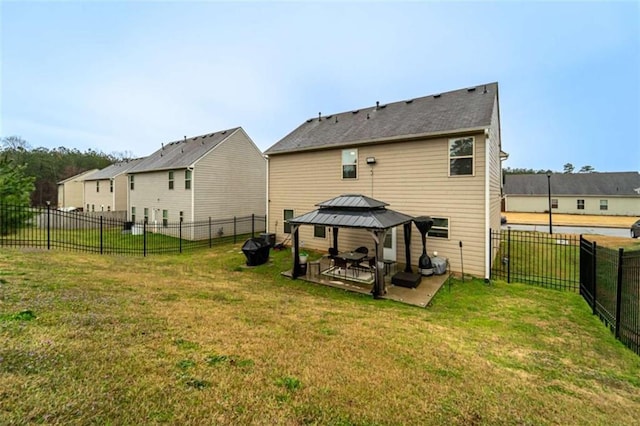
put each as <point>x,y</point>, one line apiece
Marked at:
<point>342,264</point>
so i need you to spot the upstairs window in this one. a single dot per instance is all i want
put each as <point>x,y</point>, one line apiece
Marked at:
<point>170,180</point>
<point>187,179</point>
<point>349,163</point>
<point>97,186</point>
<point>110,185</point>
<point>461,156</point>
<point>604,204</point>
<point>133,214</point>
<point>554,203</point>
<point>131,182</point>
<point>580,205</point>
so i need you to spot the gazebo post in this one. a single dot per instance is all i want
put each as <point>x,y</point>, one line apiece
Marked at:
<point>335,238</point>
<point>407,247</point>
<point>296,252</point>
<point>379,286</point>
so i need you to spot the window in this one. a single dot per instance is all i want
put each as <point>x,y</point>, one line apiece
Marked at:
<point>108,208</point>
<point>349,163</point>
<point>87,207</point>
<point>93,207</point>
<point>133,214</point>
<point>554,203</point>
<point>580,205</point>
<point>97,186</point>
<point>187,179</point>
<point>181,216</point>
<point>460,156</point>
<point>170,180</point>
<point>604,204</point>
<point>165,218</point>
<point>110,185</point>
<point>131,182</point>
<point>288,214</point>
<point>146,215</point>
<point>319,231</point>
<point>440,228</point>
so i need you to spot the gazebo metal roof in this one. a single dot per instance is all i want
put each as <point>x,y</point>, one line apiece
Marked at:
<point>352,211</point>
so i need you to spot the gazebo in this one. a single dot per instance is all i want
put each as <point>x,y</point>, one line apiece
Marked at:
<point>358,212</point>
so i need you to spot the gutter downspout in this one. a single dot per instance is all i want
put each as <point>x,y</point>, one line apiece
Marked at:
<point>193,193</point>
<point>487,206</point>
<point>266,227</point>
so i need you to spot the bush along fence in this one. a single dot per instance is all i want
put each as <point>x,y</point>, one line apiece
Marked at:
<point>111,233</point>
<point>610,283</point>
<point>547,260</point>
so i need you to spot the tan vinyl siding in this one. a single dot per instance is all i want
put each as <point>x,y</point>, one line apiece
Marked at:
<point>120,189</point>
<point>617,206</point>
<point>411,176</point>
<point>230,180</point>
<point>71,194</point>
<point>495,174</point>
<point>152,191</point>
<point>103,198</point>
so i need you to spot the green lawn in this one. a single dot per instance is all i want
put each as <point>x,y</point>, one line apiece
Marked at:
<point>198,338</point>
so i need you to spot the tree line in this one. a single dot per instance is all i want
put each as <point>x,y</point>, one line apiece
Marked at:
<point>567,168</point>
<point>43,168</point>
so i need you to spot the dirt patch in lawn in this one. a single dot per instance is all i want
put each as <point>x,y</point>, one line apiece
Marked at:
<point>570,219</point>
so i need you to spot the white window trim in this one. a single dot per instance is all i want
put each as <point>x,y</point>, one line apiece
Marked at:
<point>472,156</point>
<point>448,228</point>
<point>325,232</point>
<point>342,164</point>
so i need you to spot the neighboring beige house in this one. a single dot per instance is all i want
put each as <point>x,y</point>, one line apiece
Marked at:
<point>106,189</point>
<point>217,175</point>
<point>71,190</point>
<point>437,155</point>
<point>613,193</point>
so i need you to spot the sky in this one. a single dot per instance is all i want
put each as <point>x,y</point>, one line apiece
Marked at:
<point>127,76</point>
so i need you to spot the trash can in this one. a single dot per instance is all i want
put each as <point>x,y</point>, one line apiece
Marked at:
<point>127,226</point>
<point>269,237</point>
<point>256,250</point>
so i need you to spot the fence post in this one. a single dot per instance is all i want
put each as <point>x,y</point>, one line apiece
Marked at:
<point>593,274</point>
<point>180,235</point>
<point>619,292</point>
<point>252,224</point>
<point>101,236</point>
<point>144,239</point>
<point>508,254</point>
<point>48,227</point>
<point>209,231</point>
<point>234,230</point>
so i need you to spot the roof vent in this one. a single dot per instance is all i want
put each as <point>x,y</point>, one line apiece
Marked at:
<point>383,106</point>
<point>224,133</point>
<point>309,120</point>
<point>319,116</point>
<point>410,101</point>
<point>471,89</point>
<point>355,112</point>
<point>485,89</point>
<point>328,117</point>
<point>336,118</point>
<point>185,138</point>
<point>437,96</point>
<point>377,104</point>
<point>163,145</point>
<point>367,116</point>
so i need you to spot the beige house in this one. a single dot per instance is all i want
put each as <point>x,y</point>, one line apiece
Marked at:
<point>610,194</point>
<point>437,155</point>
<point>106,189</point>
<point>217,175</point>
<point>71,190</point>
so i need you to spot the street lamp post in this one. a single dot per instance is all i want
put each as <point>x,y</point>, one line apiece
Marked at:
<point>549,192</point>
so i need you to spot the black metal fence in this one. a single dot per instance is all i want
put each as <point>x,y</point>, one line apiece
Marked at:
<point>610,283</point>
<point>111,233</point>
<point>547,260</point>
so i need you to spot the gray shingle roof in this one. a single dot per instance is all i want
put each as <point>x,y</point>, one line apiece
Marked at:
<point>114,170</point>
<point>609,184</point>
<point>446,112</point>
<point>182,153</point>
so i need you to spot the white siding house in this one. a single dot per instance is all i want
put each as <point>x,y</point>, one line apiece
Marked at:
<point>217,175</point>
<point>106,189</point>
<point>437,155</point>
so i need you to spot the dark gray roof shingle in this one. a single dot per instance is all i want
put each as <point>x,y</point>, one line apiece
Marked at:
<point>451,111</point>
<point>114,170</point>
<point>609,184</point>
<point>182,153</point>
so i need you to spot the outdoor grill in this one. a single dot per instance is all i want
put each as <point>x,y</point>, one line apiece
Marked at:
<point>256,250</point>
<point>424,223</point>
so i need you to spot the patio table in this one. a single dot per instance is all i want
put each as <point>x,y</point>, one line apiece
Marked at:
<point>352,257</point>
